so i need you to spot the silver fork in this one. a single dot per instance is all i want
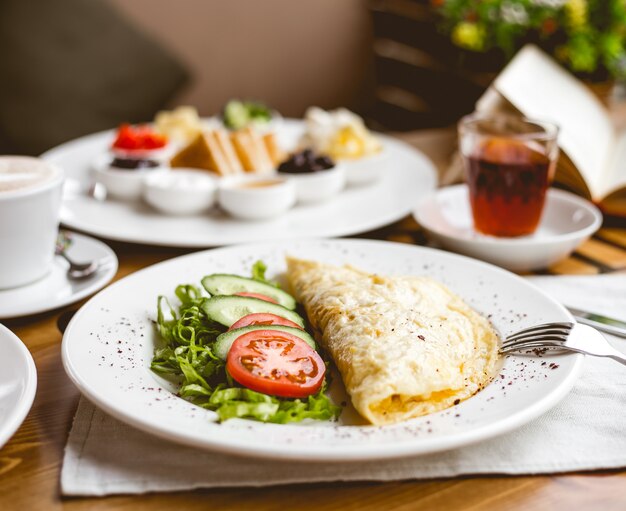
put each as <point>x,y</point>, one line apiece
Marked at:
<point>563,336</point>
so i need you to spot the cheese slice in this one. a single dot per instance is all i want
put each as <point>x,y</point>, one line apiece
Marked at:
<point>405,345</point>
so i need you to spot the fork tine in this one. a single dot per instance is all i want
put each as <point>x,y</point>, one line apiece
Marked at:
<point>536,345</point>
<point>536,338</point>
<point>545,330</point>
<point>562,327</point>
<point>581,339</point>
<point>538,335</point>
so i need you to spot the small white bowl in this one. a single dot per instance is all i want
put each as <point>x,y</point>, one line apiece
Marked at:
<point>181,191</point>
<point>250,198</point>
<point>567,221</point>
<point>125,184</point>
<point>365,170</point>
<point>162,154</point>
<point>318,186</point>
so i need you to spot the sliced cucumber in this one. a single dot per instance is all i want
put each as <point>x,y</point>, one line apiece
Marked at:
<point>236,115</point>
<point>225,284</point>
<point>226,309</point>
<point>226,340</point>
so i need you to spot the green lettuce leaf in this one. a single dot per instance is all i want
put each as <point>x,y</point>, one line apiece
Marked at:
<point>187,355</point>
<point>258,273</point>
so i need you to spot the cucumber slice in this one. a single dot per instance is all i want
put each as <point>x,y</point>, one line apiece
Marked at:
<point>236,115</point>
<point>226,340</point>
<point>225,284</point>
<point>226,309</point>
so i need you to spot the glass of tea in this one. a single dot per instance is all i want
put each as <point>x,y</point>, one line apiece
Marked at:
<point>509,162</point>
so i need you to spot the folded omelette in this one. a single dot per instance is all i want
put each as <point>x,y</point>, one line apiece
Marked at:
<point>405,346</point>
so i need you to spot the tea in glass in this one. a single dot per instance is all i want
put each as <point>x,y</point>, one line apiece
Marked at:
<point>509,163</point>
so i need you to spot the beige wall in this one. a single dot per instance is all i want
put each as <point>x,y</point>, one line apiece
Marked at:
<point>290,53</point>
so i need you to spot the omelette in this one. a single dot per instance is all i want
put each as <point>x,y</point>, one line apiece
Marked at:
<point>405,346</point>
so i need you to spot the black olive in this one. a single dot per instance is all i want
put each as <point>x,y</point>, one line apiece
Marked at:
<point>298,160</point>
<point>325,162</point>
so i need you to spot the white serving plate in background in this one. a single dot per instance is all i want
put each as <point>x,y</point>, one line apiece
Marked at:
<point>407,175</point>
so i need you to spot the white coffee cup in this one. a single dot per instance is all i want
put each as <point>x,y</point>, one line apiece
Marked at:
<point>30,200</point>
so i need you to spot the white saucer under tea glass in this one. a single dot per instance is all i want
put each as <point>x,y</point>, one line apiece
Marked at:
<point>566,222</point>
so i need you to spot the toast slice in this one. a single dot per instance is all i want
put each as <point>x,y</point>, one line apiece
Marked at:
<point>245,152</point>
<point>264,160</point>
<point>220,162</point>
<point>196,155</point>
<point>276,154</point>
<point>204,152</point>
<point>227,149</point>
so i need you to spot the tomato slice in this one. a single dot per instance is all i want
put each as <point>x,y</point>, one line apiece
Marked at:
<point>258,296</point>
<point>133,138</point>
<point>263,318</point>
<point>275,363</point>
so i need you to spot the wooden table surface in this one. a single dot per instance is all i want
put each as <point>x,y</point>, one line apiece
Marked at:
<point>30,462</point>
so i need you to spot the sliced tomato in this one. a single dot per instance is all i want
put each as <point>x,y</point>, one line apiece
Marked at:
<point>263,318</point>
<point>275,363</point>
<point>258,296</point>
<point>133,138</point>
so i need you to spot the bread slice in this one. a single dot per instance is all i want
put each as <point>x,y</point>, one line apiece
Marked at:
<point>220,162</point>
<point>227,149</point>
<point>276,154</point>
<point>195,155</point>
<point>204,152</point>
<point>265,164</point>
<point>244,150</point>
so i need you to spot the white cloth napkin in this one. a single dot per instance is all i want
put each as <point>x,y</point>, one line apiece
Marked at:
<point>584,432</point>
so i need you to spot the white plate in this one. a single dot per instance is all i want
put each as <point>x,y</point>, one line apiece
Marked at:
<point>18,382</point>
<point>109,343</point>
<point>567,221</point>
<point>55,289</point>
<point>409,174</point>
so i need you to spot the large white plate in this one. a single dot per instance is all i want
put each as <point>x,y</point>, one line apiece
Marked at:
<point>409,174</point>
<point>108,346</point>
<point>18,382</point>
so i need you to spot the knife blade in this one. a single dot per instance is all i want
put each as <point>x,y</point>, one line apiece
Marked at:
<point>603,323</point>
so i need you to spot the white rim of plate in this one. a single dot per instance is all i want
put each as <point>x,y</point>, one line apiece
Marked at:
<point>346,453</point>
<point>97,283</point>
<point>8,429</point>
<point>560,195</point>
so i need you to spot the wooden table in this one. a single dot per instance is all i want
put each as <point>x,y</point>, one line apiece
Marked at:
<point>30,463</point>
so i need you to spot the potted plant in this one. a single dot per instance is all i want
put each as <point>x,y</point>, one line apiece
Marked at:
<point>586,36</point>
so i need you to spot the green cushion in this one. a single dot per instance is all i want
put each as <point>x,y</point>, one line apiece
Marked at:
<point>72,67</point>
